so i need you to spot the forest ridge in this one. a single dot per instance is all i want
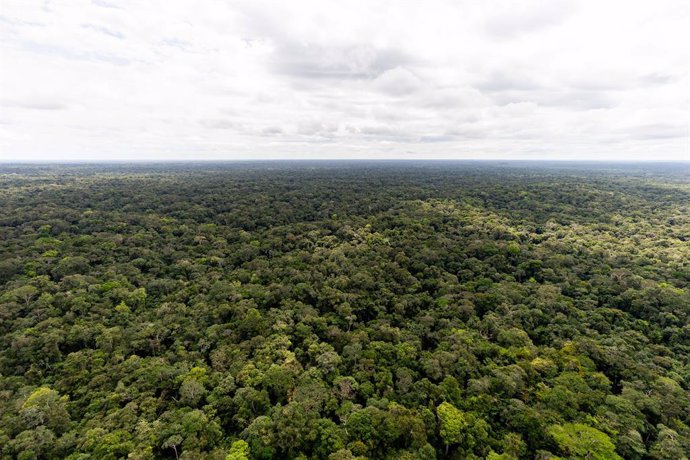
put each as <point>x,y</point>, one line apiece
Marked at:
<point>341,311</point>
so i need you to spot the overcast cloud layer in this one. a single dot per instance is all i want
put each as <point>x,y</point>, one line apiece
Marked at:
<point>147,80</point>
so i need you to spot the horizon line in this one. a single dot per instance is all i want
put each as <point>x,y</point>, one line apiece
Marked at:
<point>334,160</point>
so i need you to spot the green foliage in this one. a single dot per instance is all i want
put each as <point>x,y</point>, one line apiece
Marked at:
<point>669,445</point>
<point>45,407</point>
<point>238,451</point>
<point>452,423</point>
<point>581,441</point>
<point>397,311</point>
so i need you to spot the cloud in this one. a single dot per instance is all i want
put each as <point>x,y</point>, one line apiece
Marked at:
<point>508,81</point>
<point>33,104</point>
<point>657,79</point>
<point>104,30</point>
<point>316,128</point>
<point>351,62</point>
<point>321,79</point>
<point>660,131</point>
<point>104,4</point>
<point>436,138</point>
<point>566,98</point>
<point>526,17</point>
<point>272,130</point>
<point>220,124</point>
<point>398,81</point>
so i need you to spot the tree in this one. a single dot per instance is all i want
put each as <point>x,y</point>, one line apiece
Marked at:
<point>452,424</point>
<point>667,445</point>
<point>583,442</point>
<point>45,407</point>
<point>25,293</point>
<point>173,442</point>
<point>238,451</point>
<point>191,391</point>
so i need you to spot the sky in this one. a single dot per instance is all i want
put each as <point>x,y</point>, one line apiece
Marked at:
<point>251,79</point>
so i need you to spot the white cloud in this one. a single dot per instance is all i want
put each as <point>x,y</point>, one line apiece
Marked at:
<point>397,81</point>
<point>123,79</point>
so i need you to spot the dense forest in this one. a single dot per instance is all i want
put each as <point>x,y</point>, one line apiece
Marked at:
<point>345,311</point>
